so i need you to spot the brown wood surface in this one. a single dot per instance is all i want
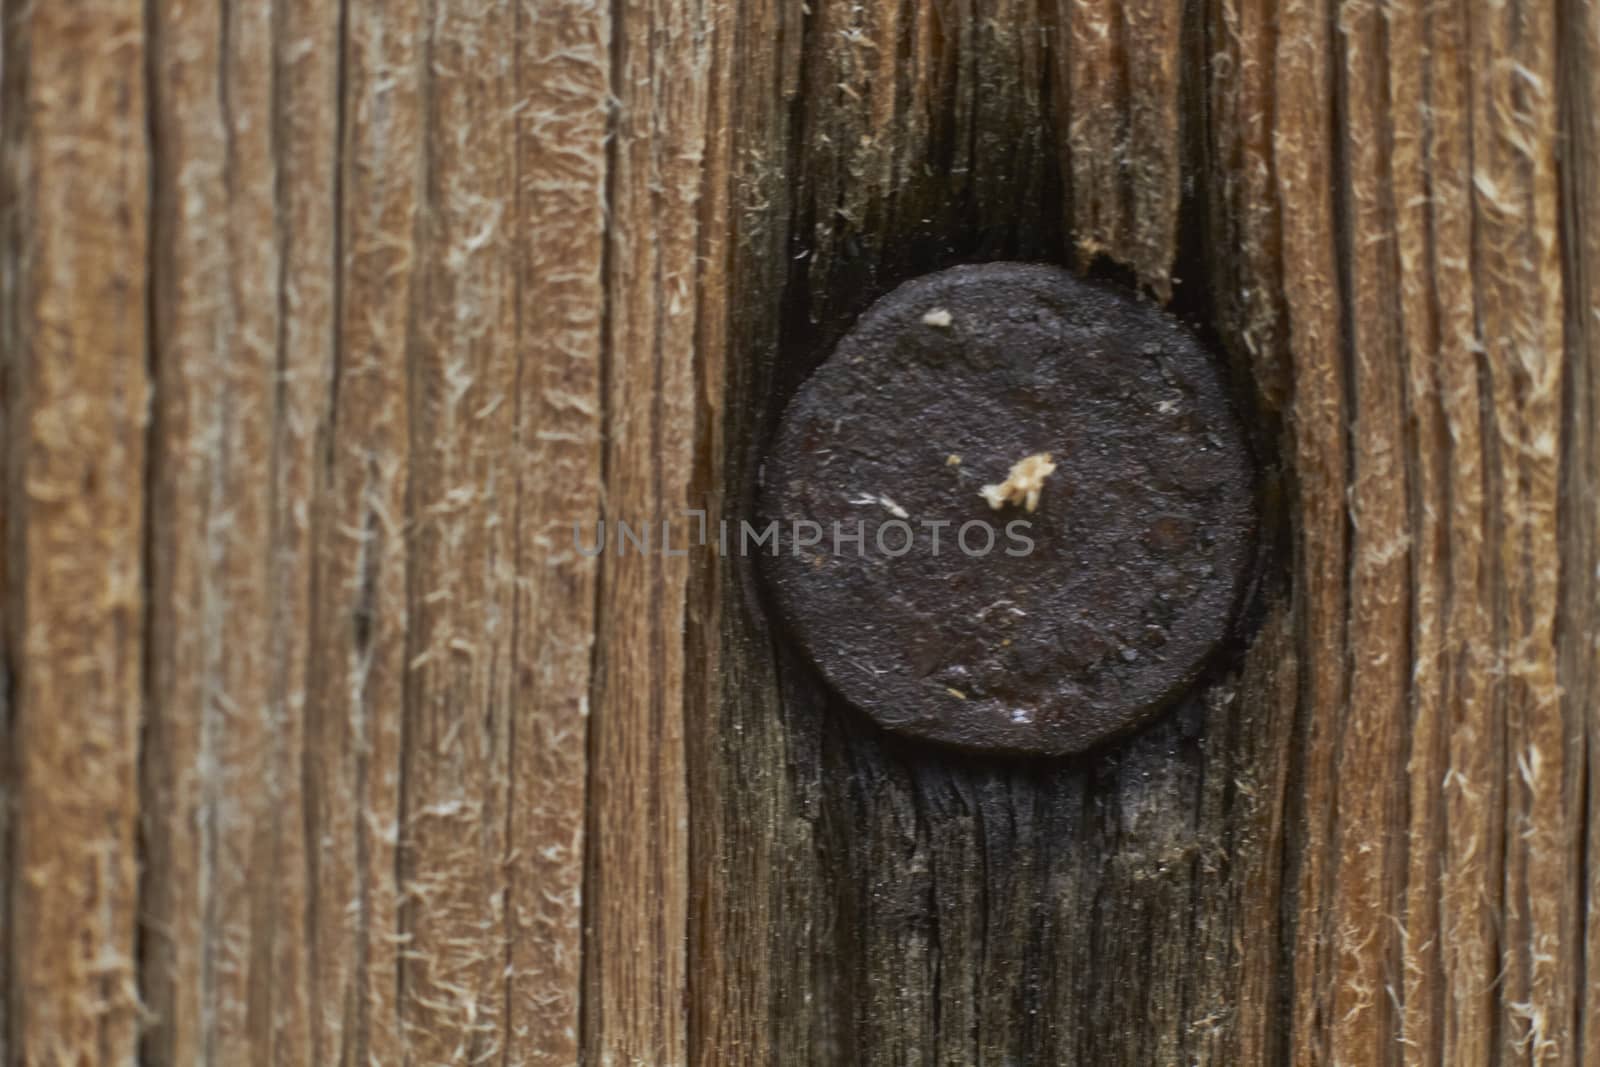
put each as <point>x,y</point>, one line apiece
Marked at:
<point>324,321</point>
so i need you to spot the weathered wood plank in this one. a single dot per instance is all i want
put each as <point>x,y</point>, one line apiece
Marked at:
<point>214,783</point>
<point>1466,934</point>
<point>1519,289</point>
<point>1419,328</point>
<point>636,983</point>
<point>1368,744</point>
<point>461,366</point>
<point>1395,921</point>
<point>420,288</point>
<point>1318,419</point>
<point>307,123</point>
<point>243,428</point>
<point>75,393</point>
<point>361,608</point>
<point>561,119</point>
<point>749,881</point>
<point>927,875</point>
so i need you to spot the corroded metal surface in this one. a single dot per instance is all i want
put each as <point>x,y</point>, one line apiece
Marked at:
<point>1003,629</point>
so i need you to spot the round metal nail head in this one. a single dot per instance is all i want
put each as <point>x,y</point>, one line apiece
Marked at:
<point>909,567</point>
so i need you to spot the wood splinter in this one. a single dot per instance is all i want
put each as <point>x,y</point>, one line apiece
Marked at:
<point>1023,485</point>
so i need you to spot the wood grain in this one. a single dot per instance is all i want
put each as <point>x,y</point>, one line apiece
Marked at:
<point>562,116</point>
<point>1579,519</point>
<point>635,978</point>
<point>218,791</point>
<point>332,329</point>
<point>75,393</point>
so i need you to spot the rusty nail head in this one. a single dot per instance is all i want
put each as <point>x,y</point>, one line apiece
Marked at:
<point>1065,631</point>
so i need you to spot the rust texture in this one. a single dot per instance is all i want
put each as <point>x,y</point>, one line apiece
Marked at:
<point>1037,631</point>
